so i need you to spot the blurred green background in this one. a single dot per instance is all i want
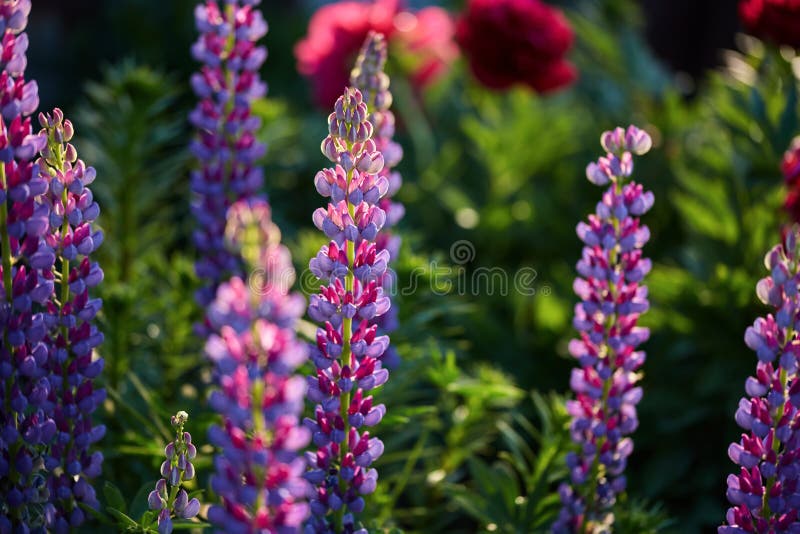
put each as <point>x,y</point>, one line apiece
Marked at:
<point>475,435</point>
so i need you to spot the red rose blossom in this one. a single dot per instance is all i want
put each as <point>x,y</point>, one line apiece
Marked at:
<point>336,31</point>
<point>516,41</point>
<point>774,20</point>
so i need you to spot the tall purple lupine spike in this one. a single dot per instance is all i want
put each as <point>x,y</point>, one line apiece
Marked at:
<point>26,420</point>
<point>169,498</point>
<point>73,334</point>
<point>612,296</point>
<point>226,147</point>
<point>259,471</point>
<point>349,353</point>
<point>765,493</point>
<point>368,76</point>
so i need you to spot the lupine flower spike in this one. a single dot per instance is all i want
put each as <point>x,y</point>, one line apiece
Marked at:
<point>71,318</point>
<point>765,490</point>
<point>369,77</point>
<point>613,297</point>
<point>169,499</point>
<point>349,353</point>
<point>226,147</point>
<point>26,422</point>
<point>259,471</point>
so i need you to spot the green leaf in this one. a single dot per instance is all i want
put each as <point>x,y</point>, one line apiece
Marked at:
<point>139,503</point>
<point>123,519</point>
<point>185,524</point>
<point>114,497</point>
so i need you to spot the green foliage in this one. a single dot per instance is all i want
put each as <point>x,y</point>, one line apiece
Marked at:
<point>467,448</point>
<point>727,195</point>
<point>513,493</point>
<point>130,131</point>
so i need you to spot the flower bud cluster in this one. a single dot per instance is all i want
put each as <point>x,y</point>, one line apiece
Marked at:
<point>169,499</point>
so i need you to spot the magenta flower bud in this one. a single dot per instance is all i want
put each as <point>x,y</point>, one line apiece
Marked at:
<point>155,501</point>
<point>370,163</point>
<point>637,141</point>
<point>164,522</point>
<point>165,469</point>
<point>69,131</point>
<point>596,174</point>
<point>181,501</point>
<point>328,148</point>
<point>613,141</point>
<point>192,509</point>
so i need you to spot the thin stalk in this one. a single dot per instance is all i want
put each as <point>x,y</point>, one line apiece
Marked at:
<point>776,419</point>
<point>347,333</point>
<point>6,239</point>
<point>58,153</point>
<point>7,279</point>
<point>597,470</point>
<point>7,282</point>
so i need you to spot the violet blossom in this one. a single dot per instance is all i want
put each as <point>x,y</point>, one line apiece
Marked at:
<point>169,498</point>
<point>349,352</point>
<point>764,491</point>
<point>613,296</point>
<point>73,334</point>
<point>226,147</point>
<point>368,76</point>
<point>26,420</point>
<point>259,471</point>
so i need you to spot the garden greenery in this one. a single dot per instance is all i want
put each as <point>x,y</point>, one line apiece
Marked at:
<point>181,275</point>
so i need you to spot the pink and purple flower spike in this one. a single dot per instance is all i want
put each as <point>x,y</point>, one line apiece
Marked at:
<point>27,426</point>
<point>613,296</point>
<point>226,147</point>
<point>71,318</point>
<point>259,471</point>
<point>765,490</point>
<point>349,352</point>
<point>368,76</point>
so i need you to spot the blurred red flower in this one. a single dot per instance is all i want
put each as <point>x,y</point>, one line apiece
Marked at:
<point>774,20</point>
<point>791,175</point>
<point>336,31</point>
<point>516,41</point>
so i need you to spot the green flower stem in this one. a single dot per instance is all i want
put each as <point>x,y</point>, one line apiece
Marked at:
<point>598,470</point>
<point>6,239</point>
<point>347,333</point>
<point>777,415</point>
<point>7,282</point>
